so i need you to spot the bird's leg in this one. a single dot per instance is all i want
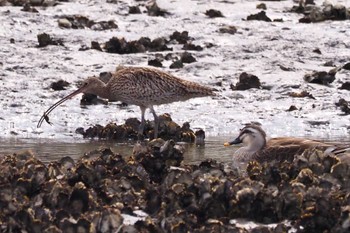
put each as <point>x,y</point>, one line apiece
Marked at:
<point>142,125</point>
<point>156,121</point>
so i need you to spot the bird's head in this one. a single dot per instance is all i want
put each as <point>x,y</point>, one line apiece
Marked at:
<point>252,135</point>
<point>90,85</point>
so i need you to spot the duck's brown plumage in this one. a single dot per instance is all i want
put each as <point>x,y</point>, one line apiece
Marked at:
<point>283,148</point>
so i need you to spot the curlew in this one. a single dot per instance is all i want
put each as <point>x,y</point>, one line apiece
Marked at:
<point>144,87</point>
<point>256,147</point>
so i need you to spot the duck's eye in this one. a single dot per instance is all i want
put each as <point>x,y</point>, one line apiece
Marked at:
<point>247,131</point>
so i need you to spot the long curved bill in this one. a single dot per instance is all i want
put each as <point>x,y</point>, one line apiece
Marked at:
<point>236,141</point>
<point>47,112</point>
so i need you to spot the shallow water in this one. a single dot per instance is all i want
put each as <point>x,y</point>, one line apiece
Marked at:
<point>49,150</point>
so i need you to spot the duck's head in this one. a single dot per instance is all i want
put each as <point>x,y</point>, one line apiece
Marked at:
<point>252,136</point>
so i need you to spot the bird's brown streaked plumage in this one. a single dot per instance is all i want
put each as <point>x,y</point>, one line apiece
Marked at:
<point>256,147</point>
<point>144,87</point>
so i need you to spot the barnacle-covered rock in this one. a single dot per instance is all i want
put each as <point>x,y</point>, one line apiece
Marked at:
<point>157,157</point>
<point>309,190</point>
<point>107,220</point>
<point>168,129</point>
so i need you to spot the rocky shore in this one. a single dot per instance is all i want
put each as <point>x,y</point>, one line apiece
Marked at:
<point>285,63</point>
<point>282,63</point>
<point>102,190</point>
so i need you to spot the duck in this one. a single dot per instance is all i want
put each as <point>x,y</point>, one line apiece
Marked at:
<point>257,147</point>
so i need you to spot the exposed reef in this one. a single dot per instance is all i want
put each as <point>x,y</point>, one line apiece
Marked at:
<point>98,192</point>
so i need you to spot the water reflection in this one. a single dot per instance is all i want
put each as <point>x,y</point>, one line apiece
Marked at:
<point>50,150</point>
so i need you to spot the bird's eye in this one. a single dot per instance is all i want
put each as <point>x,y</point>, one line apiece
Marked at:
<point>247,131</point>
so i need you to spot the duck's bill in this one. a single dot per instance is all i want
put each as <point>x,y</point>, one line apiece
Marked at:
<point>47,112</point>
<point>236,141</point>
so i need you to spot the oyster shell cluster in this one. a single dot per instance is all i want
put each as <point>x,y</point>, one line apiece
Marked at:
<point>94,193</point>
<point>168,129</point>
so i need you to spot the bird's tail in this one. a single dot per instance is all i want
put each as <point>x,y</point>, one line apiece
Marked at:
<point>198,89</point>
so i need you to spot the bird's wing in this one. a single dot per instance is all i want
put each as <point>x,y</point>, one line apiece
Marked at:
<point>280,152</point>
<point>145,86</point>
<point>303,143</point>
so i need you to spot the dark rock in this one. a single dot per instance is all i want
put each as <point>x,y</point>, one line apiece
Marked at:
<point>321,77</point>
<point>181,38</point>
<point>213,13</point>
<point>91,99</point>
<point>187,58</point>
<point>200,137</point>
<point>29,2</point>
<point>104,25</point>
<point>318,123</point>
<point>59,85</point>
<point>317,50</point>
<point>247,81</point>
<point>154,10</point>
<point>292,108</point>
<point>228,29</point>
<point>176,65</point>
<point>347,66</point>
<point>96,45</point>
<point>27,8</point>
<point>261,6</point>
<point>209,45</point>
<point>145,41</point>
<point>80,130</point>
<point>345,86</point>
<point>134,10</point>
<point>190,46</point>
<point>121,46</point>
<point>158,44</point>
<point>344,106</point>
<point>259,16</point>
<point>134,123</point>
<point>129,131</point>
<point>45,40</point>
<point>305,20</point>
<point>170,56</point>
<point>298,9</point>
<point>309,2</point>
<point>155,62</point>
<point>92,132</point>
<point>75,22</point>
<point>337,12</point>
<point>81,22</point>
<point>329,63</point>
<point>14,2</point>
<point>314,14</point>
<point>84,48</point>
